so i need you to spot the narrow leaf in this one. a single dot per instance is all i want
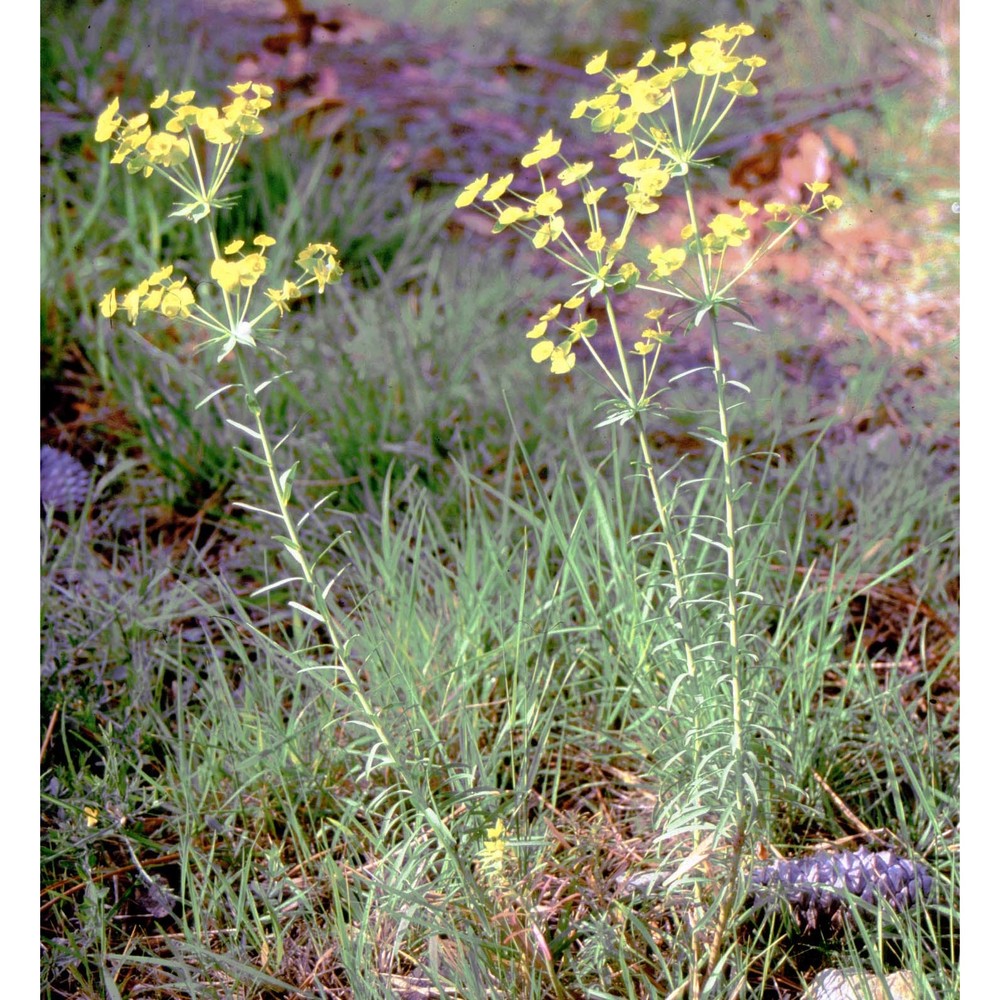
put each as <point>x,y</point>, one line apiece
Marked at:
<point>274,378</point>
<point>307,611</point>
<point>213,394</point>
<point>274,586</point>
<point>691,371</point>
<point>243,427</point>
<point>256,510</point>
<point>250,456</point>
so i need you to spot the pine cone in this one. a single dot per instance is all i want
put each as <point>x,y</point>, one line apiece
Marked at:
<point>64,481</point>
<point>821,890</point>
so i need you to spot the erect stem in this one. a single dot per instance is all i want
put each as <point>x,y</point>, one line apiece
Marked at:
<point>293,545</point>
<point>730,540</point>
<point>710,294</point>
<point>654,488</point>
<point>370,717</point>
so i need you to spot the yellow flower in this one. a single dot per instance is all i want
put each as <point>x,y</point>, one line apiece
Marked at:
<point>545,148</point>
<point>730,230</point>
<point>182,118</point>
<point>514,214</point>
<point>551,230</point>
<point>158,277</point>
<point>665,262</point>
<point>708,59</point>
<point>319,261</point>
<point>109,304</point>
<point>548,203</point>
<point>575,172</point>
<point>641,203</point>
<point>215,128</point>
<point>719,33</point>
<point>494,850</point>
<point>498,188</point>
<point>646,96</point>
<point>226,273</point>
<point>542,351</point>
<point>282,296</point>
<point>177,300</point>
<point>131,301</point>
<point>596,241</point>
<point>166,151</point>
<point>563,359</point>
<point>108,122</point>
<point>741,88</point>
<point>469,192</point>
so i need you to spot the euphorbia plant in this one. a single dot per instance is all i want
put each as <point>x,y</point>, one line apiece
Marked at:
<point>195,152</point>
<point>664,109</point>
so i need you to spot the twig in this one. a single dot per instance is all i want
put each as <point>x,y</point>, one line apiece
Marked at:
<point>842,806</point>
<point>48,734</point>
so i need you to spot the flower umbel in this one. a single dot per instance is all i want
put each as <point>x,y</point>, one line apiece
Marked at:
<point>171,151</point>
<point>658,148</point>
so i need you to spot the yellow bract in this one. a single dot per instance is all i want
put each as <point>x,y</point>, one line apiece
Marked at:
<point>498,188</point>
<point>108,122</point>
<point>709,59</point>
<point>596,63</point>
<point>660,146</point>
<point>665,262</point>
<point>469,192</point>
<point>545,148</point>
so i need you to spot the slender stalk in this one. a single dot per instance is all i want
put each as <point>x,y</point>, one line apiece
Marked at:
<point>730,540</point>
<point>732,609</point>
<point>735,659</point>
<point>676,568</point>
<point>333,628</point>
<point>370,717</point>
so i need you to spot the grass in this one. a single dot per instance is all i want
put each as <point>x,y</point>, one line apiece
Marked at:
<point>218,816</point>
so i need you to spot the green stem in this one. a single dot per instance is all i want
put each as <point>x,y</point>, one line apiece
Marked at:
<point>730,539</point>
<point>735,660</point>
<point>335,631</point>
<point>654,488</point>
<point>732,612</point>
<point>370,717</point>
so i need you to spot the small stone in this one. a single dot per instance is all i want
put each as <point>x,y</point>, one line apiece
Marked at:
<point>834,984</point>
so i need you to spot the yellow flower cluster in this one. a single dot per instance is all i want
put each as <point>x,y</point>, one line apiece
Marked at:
<point>629,97</point>
<point>493,854</point>
<point>649,159</point>
<point>140,149</point>
<point>232,272</point>
<point>157,293</point>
